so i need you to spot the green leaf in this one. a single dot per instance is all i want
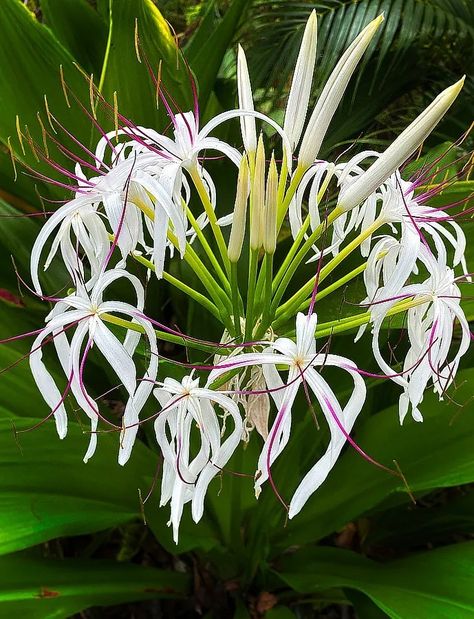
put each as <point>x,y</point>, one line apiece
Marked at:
<point>46,490</point>
<point>79,28</point>
<point>209,44</point>
<point>435,453</point>
<point>122,72</point>
<point>435,584</point>
<point>414,525</point>
<point>45,588</point>
<point>17,236</point>
<point>280,612</point>
<point>30,60</point>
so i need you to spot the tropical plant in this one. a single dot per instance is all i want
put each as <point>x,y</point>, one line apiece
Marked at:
<point>108,190</point>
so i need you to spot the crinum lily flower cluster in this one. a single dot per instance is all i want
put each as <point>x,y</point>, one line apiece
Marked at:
<point>134,204</point>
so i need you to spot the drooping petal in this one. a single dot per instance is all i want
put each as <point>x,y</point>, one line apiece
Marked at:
<point>138,399</point>
<point>334,414</point>
<point>219,459</point>
<point>116,355</point>
<point>279,432</point>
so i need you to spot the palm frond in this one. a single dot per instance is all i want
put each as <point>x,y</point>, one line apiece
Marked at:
<point>277,27</point>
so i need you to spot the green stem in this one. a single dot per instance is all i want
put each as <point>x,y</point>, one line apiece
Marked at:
<point>291,254</point>
<point>283,206</point>
<point>267,268</point>
<point>291,307</point>
<point>352,322</point>
<point>211,215</point>
<point>234,286</point>
<point>161,335</point>
<point>196,264</point>
<point>219,296</point>
<point>251,294</point>
<point>197,296</point>
<point>330,266</point>
<point>208,249</point>
<point>304,228</point>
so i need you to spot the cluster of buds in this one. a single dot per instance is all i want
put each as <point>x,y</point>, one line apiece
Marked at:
<point>132,203</point>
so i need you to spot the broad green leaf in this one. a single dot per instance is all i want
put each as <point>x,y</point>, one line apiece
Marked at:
<point>30,61</point>
<point>435,453</point>
<point>17,236</point>
<point>79,28</point>
<point>209,44</point>
<point>47,491</point>
<point>20,192</point>
<point>435,584</point>
<point>414,525</point>
<point>123,73</point>
<point>280,612</point>
<point>52,589</point>
<point>364,606</point>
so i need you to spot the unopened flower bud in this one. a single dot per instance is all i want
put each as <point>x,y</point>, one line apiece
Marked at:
<point>237,232</point>
<point>399,151</point>
<point>298,99</point>
<point>247,123</point>
<point>332,94</point>
<point>258,198</point>
<point>271,203</point>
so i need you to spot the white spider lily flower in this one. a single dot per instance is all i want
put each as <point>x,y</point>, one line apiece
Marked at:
<point>244,89</point>
<point>301,360</point>
<point>392,261</point>
<point>83,311</point>
<point>79,225</point>
<point>395,202</point>
<point>332,94</point>
<point>430,328</point>
<point>389,266</point>
<point>185,405</point>
<point>81,217</point>
<point>166,158</point>
<point>399,151</point>
<point>115,192</point>
<point>298,99</point>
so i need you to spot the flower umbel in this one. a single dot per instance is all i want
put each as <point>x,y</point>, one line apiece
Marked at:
<point>149,201</point>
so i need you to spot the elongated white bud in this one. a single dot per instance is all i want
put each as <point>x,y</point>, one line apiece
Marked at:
<point>332,94</point>
<point>399,151</point>
<point>297,106</point>
<point>258,198</point>
<point>247,123</point>
<point>271,204</point>
<point>237,232</point>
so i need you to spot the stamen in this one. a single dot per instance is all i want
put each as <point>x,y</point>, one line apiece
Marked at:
<point>43,134</point>
<point>91,95</point>
<point>116,124</point>
<point>63,85</point>
<point>137,41</point>
<point>31,144</point>
<point>12,156</point>
<point>20,135</point>
<point>158,84</point>
<point>48,114</point>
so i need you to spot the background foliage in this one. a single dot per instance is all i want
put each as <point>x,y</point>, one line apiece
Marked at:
<point>73,537</point>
